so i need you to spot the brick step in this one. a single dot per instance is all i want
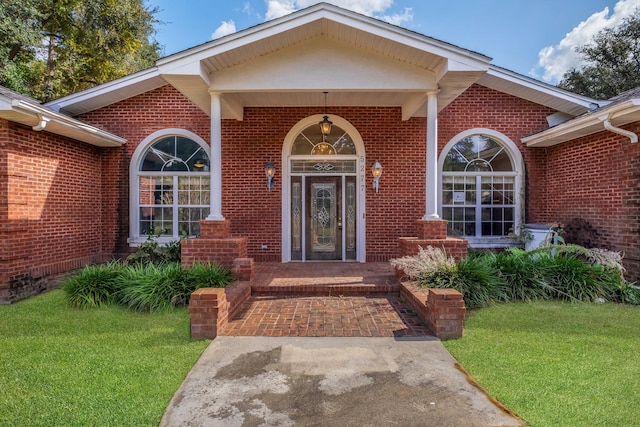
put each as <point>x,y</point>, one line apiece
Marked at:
<point>327,289</point>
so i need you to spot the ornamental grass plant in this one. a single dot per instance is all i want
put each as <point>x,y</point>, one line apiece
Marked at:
<point>560,272</point>
<point>139,286</point>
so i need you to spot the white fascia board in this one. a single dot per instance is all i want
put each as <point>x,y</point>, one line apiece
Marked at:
<point>586,125</point>
<point>127,83</point>
<point>530,83</point>
<point>331,13</point>
<point>31,115</point>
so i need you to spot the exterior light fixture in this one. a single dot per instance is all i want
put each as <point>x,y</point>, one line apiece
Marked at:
<point>269,171</point>
<point>376,171</point>
<point>325,124</point>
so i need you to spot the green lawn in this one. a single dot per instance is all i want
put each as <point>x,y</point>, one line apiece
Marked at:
<point>109,366</point>
<point>557,364</point>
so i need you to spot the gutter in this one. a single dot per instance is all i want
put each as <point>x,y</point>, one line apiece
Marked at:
<point>66,126</point>
<point>619,131</point>
<point>596,121</point>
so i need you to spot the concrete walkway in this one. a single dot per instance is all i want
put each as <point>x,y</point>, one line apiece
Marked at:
<point>343,381</point>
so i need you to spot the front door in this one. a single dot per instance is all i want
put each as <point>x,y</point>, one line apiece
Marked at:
<point>324,218</point>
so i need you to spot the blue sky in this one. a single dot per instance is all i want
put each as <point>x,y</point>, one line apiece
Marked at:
<point>532,37</point>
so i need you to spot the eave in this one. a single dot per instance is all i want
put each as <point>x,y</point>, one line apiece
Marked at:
<point>41,118</point>
<point>617,115</point>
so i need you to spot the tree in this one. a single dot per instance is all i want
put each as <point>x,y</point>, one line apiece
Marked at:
<point>50,48</point>
<point>612,62</point>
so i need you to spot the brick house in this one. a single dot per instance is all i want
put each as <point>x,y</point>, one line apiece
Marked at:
<point>466,151</point>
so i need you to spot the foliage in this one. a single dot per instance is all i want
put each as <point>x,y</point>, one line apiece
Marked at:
<point>475,277</point>
<point>556,363</point>
<point>429,259</point>
<point>94,286</point>
<point>101,367</point>
<point>150,251</point>
<point>142,286</point>
<point>612,62</point>
<point>562,272</point>
<point>52,48</point>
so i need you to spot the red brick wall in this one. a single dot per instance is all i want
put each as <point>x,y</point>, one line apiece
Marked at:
<point>594,190</point>
<point>135,119</point>
<point>255,213</point>
<point>50,199</point>
<point>481,107</point>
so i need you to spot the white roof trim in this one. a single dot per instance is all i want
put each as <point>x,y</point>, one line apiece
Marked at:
<point>620,114</point>
<point>41,118</point>
<point>109,93</point>
<point>524,87</point>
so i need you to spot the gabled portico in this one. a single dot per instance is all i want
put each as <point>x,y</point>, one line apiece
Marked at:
<point>292,60</point>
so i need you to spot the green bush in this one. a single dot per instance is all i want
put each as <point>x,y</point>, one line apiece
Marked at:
<point>524,276</point>
<point>475,277</point>
<point>94,285</point>
<point>562,272</point>
<point>207,275</point>
<point>142,287</point>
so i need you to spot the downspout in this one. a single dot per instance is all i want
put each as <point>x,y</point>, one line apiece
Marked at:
<point>619,131</point>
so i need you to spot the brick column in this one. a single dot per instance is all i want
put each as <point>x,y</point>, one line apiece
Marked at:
<point>445,313</point>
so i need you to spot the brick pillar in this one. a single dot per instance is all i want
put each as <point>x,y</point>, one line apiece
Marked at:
<point>445,313</point>
<point>429,229</point>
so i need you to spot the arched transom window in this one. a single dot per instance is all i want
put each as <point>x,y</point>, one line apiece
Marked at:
<point>479,191</point>
<point>173,187</point>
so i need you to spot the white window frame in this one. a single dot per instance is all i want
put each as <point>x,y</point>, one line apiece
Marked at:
<point>518,172</point>
<point>135,237</point>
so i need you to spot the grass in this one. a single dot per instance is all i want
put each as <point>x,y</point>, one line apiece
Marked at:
<point>557,363</point>
<point>106,366</point>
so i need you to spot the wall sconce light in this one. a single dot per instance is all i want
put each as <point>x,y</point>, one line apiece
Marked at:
<point>269,171</point>
<point>376,171</point>
<point>325,124</point>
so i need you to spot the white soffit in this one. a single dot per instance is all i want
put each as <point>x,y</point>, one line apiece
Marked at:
<point>619,115</point>
<point>108,93</point>
<point>536,91</point>
<point>40,118</point>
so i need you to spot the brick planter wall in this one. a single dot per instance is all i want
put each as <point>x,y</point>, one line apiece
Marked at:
<point>442,310</point>
<point>211,308</point>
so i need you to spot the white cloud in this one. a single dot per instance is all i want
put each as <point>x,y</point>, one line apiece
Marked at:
<point>558,59</point>
<point>399,18</point>
<point>375,8</point>
<point>228,27</point>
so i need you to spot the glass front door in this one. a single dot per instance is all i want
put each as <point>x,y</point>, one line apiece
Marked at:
<point>323,218</point>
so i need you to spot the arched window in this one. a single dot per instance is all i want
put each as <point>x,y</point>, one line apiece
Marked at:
<point>480,187</point>
<point>171,187</point>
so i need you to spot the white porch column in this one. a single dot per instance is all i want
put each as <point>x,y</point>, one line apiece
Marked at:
<point>215,162</point>
<point>431,175</point>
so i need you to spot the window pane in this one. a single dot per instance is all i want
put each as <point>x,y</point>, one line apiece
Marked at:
<point>157,221</point>
<point>310,141</point>
<point>175,154</point>
<point>189,220</point>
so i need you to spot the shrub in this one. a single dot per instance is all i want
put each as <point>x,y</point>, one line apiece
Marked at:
<point>94,285</point>
<point>475,277</point>
<point>427,260</point>
<point>565,272</point>
<point>524,276</point>
<point>142,287</point>
<point>151,251</point>
<point>207,275</point>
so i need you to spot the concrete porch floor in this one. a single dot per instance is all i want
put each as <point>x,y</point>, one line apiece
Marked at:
<point>325,299</point>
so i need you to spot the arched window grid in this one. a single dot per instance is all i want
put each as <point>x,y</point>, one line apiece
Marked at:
<point>170,187</point>
<point>479,201</point>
